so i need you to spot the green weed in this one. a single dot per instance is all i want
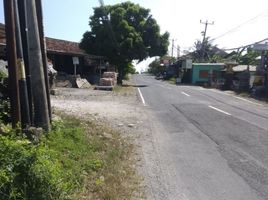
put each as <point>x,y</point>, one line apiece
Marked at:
<point>74,161</point>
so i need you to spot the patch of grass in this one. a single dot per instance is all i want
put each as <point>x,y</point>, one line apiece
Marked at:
<point>172,80</point>
<point>125,90</point>
<point>243,94</point>
<point>110,171</point>
<point>77,160</point>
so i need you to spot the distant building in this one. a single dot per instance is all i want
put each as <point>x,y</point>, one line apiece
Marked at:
<point>206,72</point>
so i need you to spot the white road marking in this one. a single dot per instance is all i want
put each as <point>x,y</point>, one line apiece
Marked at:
<point>142,99</point>
<point>248,101</point>
<point>226,113</point>
<point>185,94</point>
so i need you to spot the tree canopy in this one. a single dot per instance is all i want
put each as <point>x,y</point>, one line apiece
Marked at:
<point>207,52</point>
<point>124,32</point>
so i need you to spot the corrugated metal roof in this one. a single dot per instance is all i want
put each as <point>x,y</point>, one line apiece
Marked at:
<point>209,64</point>
<point>241,68</point>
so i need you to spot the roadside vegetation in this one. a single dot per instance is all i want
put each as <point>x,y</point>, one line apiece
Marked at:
<point>122,33</point>
<point>77,160</point>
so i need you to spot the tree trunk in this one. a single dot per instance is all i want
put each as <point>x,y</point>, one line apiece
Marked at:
<point>120,74</point>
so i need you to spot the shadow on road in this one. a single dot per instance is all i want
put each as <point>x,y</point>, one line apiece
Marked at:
<point>135,85</point>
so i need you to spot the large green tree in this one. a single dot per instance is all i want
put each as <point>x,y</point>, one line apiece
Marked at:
<point>124,32</point>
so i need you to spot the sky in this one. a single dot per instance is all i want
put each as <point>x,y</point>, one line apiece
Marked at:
<point>238,22</point>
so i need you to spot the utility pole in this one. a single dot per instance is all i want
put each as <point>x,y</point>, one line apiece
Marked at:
<point>178,51</point>
<point>39,12</point>
<point>41,113</point>
<point>12,62</point>
<point>204,37</point>
<point>25,114</point>
<point>172,47</point>
<point>24,38</point>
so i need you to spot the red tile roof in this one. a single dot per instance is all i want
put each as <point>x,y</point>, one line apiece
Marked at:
<point>63,46</point>
<point>53,45</point>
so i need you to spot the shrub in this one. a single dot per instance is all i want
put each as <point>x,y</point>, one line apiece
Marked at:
<point>75,160</point>
<point>4,100</point>
<point>29,172</point>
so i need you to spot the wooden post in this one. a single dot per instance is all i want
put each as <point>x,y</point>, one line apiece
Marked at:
<point>41,112</point>
<point>12,61</point>
<point>24,38</point>
<point>25,114</point>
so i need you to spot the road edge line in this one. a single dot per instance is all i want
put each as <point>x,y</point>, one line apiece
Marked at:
<point>246,100</point>
<point>142,99</point>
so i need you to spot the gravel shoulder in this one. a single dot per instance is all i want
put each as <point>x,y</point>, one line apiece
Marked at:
<point>122,110</point>
<point>119,109</point>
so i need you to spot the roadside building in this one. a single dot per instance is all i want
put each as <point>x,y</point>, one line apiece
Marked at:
<point>244,75</point>
<point>186,70</point>
<point>207,73</point>
<point>62,54</point>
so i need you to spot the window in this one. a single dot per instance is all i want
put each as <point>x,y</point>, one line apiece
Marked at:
<point>203,74</point>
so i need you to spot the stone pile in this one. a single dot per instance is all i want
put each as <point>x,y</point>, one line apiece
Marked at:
<point>109,79</point>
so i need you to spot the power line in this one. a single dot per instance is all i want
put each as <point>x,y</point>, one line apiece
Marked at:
<point>239,26</point>
<point>245,46</point>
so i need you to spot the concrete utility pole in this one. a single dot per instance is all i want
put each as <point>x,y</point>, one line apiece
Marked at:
<point>41,113</point>
<point>172,46</point>
<point>178,51</point>
<point>39,12</point>
<point>24,38</point>
<point>12,62</point>
<point>204,36</point>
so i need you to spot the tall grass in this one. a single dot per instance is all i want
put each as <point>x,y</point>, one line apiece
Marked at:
<point>77,160</point>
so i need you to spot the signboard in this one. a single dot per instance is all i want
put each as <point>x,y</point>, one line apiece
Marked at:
<point>187,64</point>
<point>75,60</point>
<point>102,67</point>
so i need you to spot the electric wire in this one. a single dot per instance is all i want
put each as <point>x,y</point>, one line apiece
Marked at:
<point>262,14</point>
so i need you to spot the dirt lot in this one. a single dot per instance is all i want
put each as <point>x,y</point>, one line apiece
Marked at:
<point>120,108</point>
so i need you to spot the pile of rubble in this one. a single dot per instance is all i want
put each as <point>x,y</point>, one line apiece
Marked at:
<point>71,81</point>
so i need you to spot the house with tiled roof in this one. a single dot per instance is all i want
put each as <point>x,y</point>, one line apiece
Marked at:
<point>61,53</point>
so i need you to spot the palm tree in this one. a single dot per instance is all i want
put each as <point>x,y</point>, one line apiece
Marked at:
<point>206,52</point>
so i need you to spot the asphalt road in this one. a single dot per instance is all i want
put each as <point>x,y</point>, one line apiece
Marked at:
<point>206,144</point>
